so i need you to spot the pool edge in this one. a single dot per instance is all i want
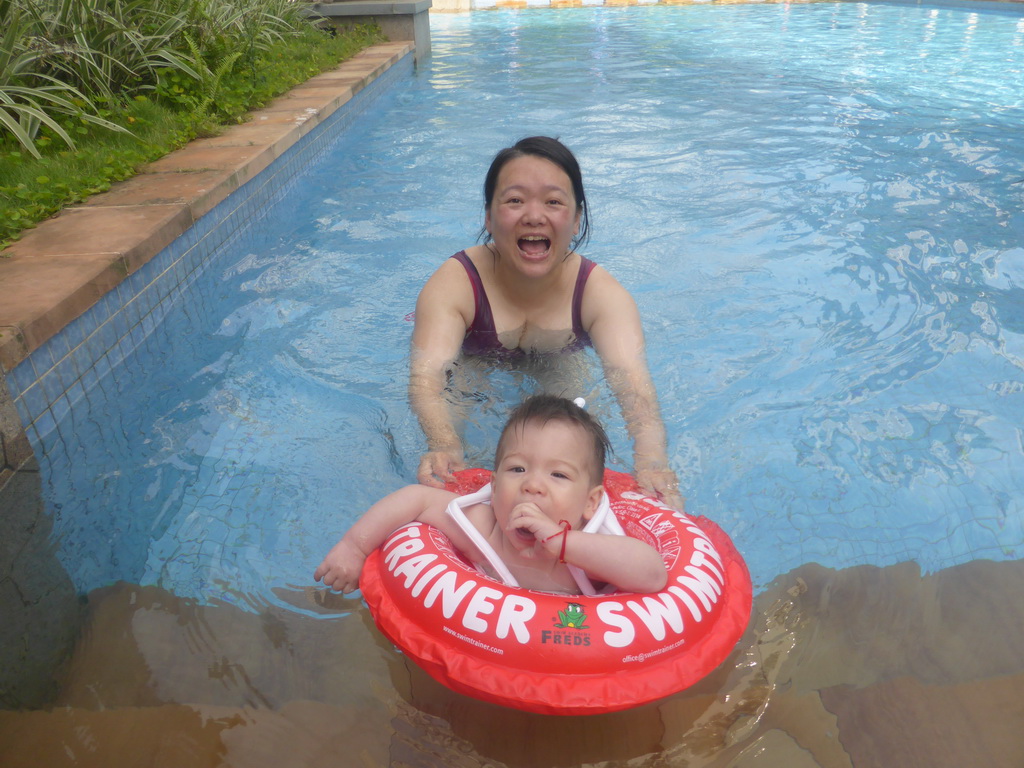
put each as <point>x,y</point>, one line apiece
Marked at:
<point>71,262</point>
<point>65,265</point>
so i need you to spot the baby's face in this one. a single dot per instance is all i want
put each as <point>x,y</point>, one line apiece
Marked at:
<point>550,465</point>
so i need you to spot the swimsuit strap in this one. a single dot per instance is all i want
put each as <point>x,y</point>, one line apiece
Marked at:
<point>481,334</point>
<point>582,337</point>
<point>603,521</point>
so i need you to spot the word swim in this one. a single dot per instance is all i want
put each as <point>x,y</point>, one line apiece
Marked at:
<point>694,589</point>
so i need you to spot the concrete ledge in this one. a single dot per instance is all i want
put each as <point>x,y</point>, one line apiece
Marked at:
<point>398,19</point>
<point>372,7</point>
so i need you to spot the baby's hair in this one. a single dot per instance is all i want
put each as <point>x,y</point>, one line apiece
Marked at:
<point>541,409</point>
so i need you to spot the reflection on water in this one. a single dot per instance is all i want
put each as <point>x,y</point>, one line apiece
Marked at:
<point>858,667</point>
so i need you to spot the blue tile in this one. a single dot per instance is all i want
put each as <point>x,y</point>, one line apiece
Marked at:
<point>44,425</point>
<point>67,371</point>
<point>42,360</point>
<point>89,377</point>
<point>145,301</point>
<point>115,355</point>
<point>149,322</point>
<point>81,356</point>
<point>132,284</point>
<point>34,401</point>
<point>50,442</point>
<point>102,368</point>
<point>75,393</point>
<point>108,307</point>
<point>119,325</point>
<point>21,378</point>
<point>130,310</point>
<point>108,336</point>
<point>126,345</point>
<point>52,386</point>
<point>59,345</point>
<point>94,346</point>
<point>77,330</point>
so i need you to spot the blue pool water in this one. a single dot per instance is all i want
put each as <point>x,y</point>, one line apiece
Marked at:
<point>817,207</point>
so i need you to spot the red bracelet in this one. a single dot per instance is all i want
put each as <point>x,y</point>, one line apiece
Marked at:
<point>564,533</point>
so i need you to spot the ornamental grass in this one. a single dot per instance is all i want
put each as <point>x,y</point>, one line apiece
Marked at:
<point>90,90</point>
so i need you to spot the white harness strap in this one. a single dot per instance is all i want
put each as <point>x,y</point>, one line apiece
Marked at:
<point>603,521</point>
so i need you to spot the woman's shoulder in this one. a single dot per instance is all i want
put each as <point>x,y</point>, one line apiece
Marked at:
<point>603,292</point>
<point>449,281</point>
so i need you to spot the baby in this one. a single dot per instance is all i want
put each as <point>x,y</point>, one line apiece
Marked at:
<point>548,469</point>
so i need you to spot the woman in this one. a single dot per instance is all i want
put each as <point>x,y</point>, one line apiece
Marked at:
<point>527,292</point>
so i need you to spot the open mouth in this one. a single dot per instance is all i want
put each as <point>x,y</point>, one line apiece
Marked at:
<point>534,245</point>
<point>525,535</point>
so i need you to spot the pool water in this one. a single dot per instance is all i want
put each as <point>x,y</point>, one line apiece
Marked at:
<point>818,208</point>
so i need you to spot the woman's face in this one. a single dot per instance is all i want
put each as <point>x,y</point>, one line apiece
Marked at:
<point>533,216</point>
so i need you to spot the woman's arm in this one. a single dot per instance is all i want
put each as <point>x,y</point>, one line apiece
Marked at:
<point>341,568</point>
<point>614,327</point>
<point>441,323</point>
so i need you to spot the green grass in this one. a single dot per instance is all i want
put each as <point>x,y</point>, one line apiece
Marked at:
<point>178,109</point>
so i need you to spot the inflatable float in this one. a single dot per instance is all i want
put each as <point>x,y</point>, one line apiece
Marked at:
<point>557,653</point>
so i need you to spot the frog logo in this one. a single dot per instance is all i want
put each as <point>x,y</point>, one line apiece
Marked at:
<point>572,617</point>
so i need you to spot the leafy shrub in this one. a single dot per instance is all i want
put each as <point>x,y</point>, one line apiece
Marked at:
<point>57,147</point>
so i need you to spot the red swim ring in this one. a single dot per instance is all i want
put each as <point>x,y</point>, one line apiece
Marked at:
<point>563,654</point>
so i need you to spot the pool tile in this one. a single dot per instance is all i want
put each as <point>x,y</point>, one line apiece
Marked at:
<point>67,370</point>
<point>76,332</point>
<point>44,425</point>
<point>89,377</point>
<point>75,393</point>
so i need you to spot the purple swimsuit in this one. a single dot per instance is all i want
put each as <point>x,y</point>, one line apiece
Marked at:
<point>481,336</point>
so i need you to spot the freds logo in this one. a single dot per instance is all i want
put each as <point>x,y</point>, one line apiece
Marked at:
<point>573,620</point>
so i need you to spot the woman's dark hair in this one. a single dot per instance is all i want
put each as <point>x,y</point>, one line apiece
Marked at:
<point>554,151</point>
<point>541,409</point>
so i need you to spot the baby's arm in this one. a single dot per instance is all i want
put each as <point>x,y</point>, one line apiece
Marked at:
<point>630,564</point>
<point>341,568</point>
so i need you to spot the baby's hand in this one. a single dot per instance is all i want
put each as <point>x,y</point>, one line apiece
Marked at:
<point>341,568</point>
<point>527,520</point>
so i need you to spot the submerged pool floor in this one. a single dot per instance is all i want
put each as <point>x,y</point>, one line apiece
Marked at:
<point>823,679</point>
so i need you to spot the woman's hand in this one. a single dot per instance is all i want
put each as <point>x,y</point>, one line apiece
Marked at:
<point>341,568</point>
<point>438,467</point>
<point>661,483</point>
